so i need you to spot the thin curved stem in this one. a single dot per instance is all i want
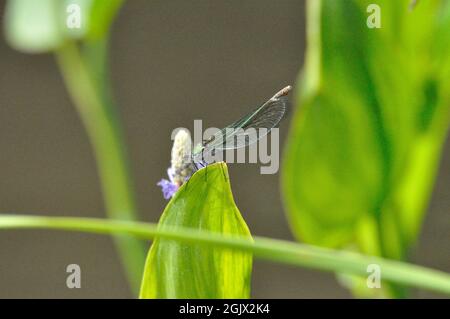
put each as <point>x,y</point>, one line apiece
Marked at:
<point>279,251</point>
<point>86,78</point>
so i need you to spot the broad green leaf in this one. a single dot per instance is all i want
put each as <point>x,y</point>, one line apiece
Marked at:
<point>177,270</point>
<point>37,26</point>
<point>374,110</point>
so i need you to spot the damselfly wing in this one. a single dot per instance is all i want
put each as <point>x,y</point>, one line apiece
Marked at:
<point>236,135</point>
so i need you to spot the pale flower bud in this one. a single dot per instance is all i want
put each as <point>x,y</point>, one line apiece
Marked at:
<point>182,167</point>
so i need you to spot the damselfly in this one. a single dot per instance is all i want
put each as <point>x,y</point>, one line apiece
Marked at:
<point>234,136</point>
<point>245,131</point>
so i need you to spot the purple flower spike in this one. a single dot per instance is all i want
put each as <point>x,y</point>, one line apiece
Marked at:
<point>168,188</point>
<point>180,169</point>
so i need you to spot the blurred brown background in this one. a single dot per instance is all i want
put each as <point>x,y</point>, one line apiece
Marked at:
<point>172,62</point>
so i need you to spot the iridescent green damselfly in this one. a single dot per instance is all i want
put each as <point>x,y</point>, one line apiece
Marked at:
<point>263,119</point>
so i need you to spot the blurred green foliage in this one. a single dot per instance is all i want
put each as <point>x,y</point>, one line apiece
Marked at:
<point>373,114</point>
<point>38,26</point>
<point>178,270</point>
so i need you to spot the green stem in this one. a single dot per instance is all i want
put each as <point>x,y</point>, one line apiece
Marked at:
<point>85,78</point>
<point>279,251</point>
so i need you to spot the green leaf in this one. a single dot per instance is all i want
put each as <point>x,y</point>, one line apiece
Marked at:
<point>374,110</point>
<point>37,26</point>
<point>102,14</point>
<point>178,270</point>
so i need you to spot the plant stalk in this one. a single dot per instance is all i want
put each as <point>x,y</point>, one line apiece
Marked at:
<point>279,251</point>
<point>86,79</point>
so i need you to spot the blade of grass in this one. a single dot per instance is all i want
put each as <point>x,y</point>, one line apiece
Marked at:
<point>279,251</point>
